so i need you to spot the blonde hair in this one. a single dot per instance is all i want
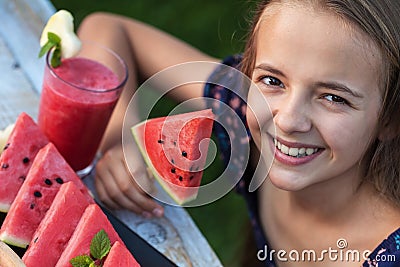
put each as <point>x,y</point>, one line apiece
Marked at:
<point>379,20</point>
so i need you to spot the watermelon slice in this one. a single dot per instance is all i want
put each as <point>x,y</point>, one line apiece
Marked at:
<point>91,222</point>
<point>170,146</point>
<point>49,170</point>
<point>23,144</point>
<point>49,242</point>
<point>119,255</point>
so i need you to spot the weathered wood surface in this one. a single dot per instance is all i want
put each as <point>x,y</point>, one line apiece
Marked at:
<point>175,235</point>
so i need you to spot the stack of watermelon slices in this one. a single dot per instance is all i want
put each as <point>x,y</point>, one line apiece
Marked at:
<point>49,207</point>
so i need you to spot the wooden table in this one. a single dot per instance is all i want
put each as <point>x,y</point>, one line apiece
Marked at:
<point>176,235</point>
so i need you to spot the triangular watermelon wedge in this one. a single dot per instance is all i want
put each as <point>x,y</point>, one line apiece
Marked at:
<point>24,143</point>
<point>48,172</point>
<point>175,149</point>
<point>92,221</point>
<point>49,242</point>
<point>119,255</point>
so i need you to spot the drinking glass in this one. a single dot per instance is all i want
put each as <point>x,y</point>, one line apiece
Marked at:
<point>77,101</point>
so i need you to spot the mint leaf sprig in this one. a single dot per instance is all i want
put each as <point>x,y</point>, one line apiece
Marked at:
<point>100,246</point>
<point>82,261</point>
<point>53,40</point>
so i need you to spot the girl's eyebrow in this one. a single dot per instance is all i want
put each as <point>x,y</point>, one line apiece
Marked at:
<point>339,87</point>
<point>331,85</point>
<point>271,69</point>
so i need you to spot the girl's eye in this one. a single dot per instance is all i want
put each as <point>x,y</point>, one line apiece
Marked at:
<point>334,99</point>
<point>272,81</point>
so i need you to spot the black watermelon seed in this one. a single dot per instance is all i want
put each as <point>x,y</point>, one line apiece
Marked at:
<point>160,141</point>
<point>5,165</point>
<point>172,161</point>
<point>191,177</point>
<point>174,143</point>
<point>184,154</point>
<point>34,241</point>
<point>180,178</point>
<point>37,194</point>
<point>59,180</point>
<point>173,170</point>
<point>6,146</point>
<point>48,182</point>
<point>25,160</point>
<point>32,206</point>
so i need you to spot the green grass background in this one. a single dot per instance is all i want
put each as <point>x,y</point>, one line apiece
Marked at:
<point>217,28</point>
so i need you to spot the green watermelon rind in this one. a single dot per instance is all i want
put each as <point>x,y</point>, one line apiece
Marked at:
<point>17,242</point>
<point>165,185</point>
<point>4,207</point>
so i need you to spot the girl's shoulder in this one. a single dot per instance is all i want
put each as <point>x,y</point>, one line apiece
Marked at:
<point>387,254</point>
<point>227,83</point>
<point>226,92</point>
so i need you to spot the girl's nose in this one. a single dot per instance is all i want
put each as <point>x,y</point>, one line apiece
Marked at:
<point>292,114</point>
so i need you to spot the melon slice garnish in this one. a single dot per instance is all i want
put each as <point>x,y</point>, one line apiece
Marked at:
<point>59,33</point>
<point>4,134</point>
<point>8,258</point>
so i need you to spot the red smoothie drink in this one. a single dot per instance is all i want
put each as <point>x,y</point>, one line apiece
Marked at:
<point>77,100</point>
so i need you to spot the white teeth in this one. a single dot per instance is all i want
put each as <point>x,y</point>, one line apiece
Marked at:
<point>309,151</point>
<point>284,149</point>
<point>294,151</point>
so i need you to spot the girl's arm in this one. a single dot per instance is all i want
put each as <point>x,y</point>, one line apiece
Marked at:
<point>146,51</point>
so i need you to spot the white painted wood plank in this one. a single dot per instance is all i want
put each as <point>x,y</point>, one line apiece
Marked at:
<point>22,22</point>
<point>16,92</point>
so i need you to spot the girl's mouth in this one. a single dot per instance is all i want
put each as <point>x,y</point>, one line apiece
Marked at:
<point>295,154</point>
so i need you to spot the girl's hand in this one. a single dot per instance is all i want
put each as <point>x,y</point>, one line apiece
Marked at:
<point>117,188</point>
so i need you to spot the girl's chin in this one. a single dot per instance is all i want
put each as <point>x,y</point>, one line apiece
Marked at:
<point>287,183</point>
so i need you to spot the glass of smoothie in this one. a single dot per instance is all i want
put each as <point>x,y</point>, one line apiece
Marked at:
<point>77,100</point>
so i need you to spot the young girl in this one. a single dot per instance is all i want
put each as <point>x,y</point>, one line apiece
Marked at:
<point>329,71</point>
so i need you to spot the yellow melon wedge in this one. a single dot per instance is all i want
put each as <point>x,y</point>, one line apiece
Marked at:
<point>62,24</point>
<point>8,258</point>
<point>4,134</point>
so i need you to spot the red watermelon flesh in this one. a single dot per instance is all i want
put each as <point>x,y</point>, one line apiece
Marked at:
<point>48,172</point>
<point>119,256</point>
<point>56,228</point>
<point>24,143</point>
<point>92,221</point>
<point>170,146</point>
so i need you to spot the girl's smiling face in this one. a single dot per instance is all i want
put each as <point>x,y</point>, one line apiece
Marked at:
<point>320,78</point>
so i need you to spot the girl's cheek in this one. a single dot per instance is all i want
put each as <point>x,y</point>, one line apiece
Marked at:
<point>258,119</point>
<point>252,120</point>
